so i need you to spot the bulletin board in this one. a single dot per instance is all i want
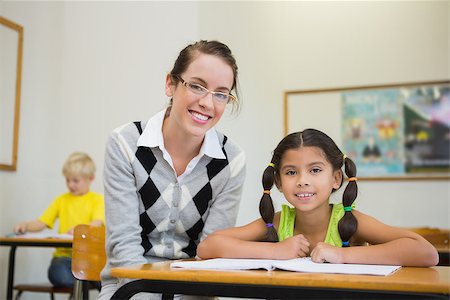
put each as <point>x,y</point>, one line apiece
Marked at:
<point>392,132</point>
<point>11,48</point>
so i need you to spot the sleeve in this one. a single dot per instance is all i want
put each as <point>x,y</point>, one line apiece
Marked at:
<point>224,209</point>
<point>99,209</point>
<point>123,239</point>
<point>50,215</point>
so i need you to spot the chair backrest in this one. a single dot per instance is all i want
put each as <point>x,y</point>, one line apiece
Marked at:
<point>88,252</point>
<point>424,230</point>
<point>439,240</point>
<point>439,237</point>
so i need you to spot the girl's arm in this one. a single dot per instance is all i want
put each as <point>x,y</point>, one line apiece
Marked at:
<point>244,242</point>
<point>388,245</point>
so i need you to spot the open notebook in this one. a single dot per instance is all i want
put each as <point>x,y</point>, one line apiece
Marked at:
<point>297,265</point>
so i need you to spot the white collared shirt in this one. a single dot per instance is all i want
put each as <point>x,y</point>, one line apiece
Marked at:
<point>152,137</point>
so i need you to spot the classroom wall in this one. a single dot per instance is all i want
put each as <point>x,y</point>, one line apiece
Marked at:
<point>90,66</point>
<point>291,45</point>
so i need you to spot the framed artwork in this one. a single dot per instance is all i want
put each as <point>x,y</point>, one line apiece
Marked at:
<point>11,45</point>
<point>392,132</point>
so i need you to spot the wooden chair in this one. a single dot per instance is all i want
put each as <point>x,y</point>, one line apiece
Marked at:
<point>88,257</point>
<point>424,230</point>
<point>436,236</point>
<point>439,238</point>
<point>41,288</point>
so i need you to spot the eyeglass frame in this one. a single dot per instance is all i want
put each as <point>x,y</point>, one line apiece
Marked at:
<point>206,91</point>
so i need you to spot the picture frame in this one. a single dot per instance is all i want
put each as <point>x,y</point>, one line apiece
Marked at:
<point>11,51</point>
<point>391,131</point>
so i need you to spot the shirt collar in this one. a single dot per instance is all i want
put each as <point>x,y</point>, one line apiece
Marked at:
<point>152,137</point>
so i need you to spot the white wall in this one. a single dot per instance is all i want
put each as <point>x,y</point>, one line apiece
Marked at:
<point>88,67</point>
<point>292,45</point>
<point>91,66</point>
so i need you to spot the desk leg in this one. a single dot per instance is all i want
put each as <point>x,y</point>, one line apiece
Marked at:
<point>85,287</point>
<point>12,258</point>
<point>167,297</point>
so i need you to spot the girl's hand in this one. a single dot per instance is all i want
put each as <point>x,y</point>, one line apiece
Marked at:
<point>326,253</point>
<point>293,247</point>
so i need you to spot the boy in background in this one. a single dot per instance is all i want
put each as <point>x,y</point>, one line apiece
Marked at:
<point>78,206</point>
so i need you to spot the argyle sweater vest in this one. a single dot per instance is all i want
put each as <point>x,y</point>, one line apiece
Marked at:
<point>161,187</point>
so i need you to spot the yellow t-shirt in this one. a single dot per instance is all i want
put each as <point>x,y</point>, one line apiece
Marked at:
<point>73,210</point>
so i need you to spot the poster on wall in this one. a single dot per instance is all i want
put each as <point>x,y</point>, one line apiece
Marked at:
<point>392,131</point>
<point>426,112</point>
<point>372,131</point>
<point>398,131</point>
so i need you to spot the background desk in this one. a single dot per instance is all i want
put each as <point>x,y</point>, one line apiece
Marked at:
<point>15,242</point>
<point>406,283</point>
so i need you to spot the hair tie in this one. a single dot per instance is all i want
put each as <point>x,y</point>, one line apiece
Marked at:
<point>352,179</point>
<point>272,165</point>
<point>266,192</point>
<point>348,208</point>
<point>345,244</point>
<point>269,225</point>
<point>344,156</point>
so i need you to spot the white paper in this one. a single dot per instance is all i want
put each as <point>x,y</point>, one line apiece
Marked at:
<point>45,235</point>
<point>298,265</point>
<point>226,264</point>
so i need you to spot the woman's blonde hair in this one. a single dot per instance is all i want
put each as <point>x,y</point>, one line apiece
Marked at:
<point>79,164</point>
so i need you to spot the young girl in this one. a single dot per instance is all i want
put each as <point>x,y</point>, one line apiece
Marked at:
<point>306,168</point>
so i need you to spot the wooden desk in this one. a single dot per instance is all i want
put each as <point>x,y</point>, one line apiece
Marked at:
<point>15,242</point>
<point>406,283</point>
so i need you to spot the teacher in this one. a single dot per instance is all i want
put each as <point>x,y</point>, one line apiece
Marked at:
<point>172,180</point>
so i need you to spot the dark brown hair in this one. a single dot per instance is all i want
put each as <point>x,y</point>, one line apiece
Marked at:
<point>310,138</point>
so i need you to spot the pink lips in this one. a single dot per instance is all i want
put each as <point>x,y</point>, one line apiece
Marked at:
<point>198,117</point>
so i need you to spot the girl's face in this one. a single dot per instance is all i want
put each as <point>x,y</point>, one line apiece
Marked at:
<point>193,114</point>
<point>307,178</point>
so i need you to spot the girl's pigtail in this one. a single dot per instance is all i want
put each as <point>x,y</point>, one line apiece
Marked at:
<point>266,208</point>
<point>348,224</point>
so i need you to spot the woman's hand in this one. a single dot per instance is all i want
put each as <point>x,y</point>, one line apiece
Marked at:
<point>327,253</point>
<point>293,247</point>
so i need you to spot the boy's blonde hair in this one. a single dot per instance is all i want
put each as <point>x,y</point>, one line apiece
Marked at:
<point>79,164</point>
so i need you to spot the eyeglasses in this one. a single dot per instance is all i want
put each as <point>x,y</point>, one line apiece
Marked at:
<point>200,90</point>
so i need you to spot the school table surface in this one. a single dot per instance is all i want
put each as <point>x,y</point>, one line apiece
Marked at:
<point>15,242</point>
<point>406,283</point>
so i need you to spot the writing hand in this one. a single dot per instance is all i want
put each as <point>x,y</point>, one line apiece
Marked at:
<point>326,253</point>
